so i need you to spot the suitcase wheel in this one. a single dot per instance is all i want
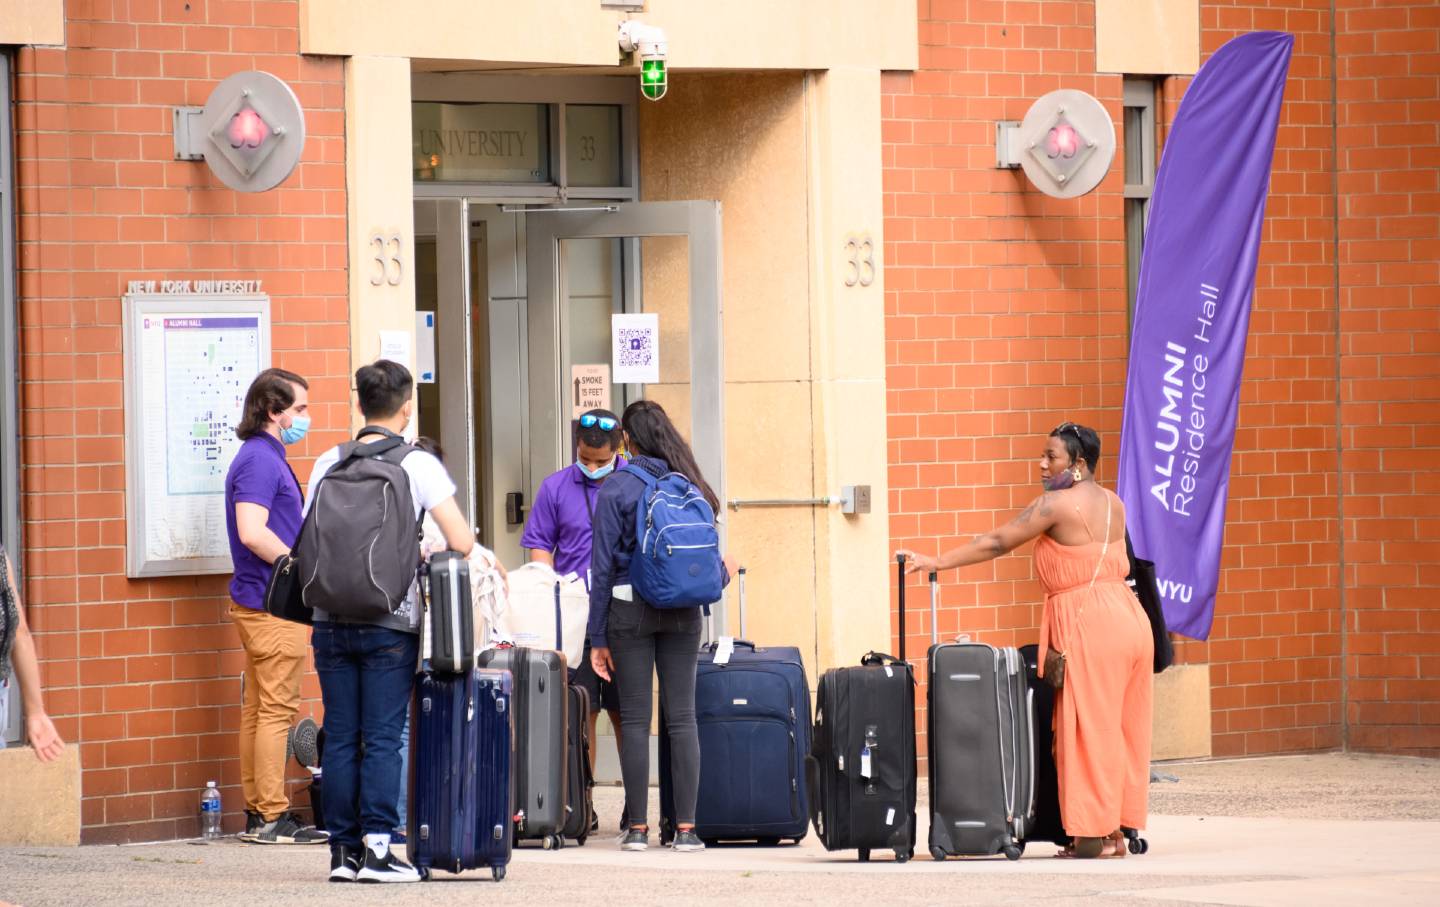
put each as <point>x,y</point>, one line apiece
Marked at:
<point>864,855</point>
<point>937,853</point>
<point>903,856</point>
<point>1014,851</point>
<point>497,873</point>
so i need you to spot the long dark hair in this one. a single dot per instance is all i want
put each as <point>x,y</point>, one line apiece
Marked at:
<point>272,391</point>
<point>652,434</point>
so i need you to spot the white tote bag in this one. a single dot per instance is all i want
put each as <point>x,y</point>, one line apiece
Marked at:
<point>535,619</point>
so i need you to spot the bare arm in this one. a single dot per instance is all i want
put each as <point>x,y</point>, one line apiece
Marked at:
<point>1038,517</point>
<point>38,726</point>
<point>452,525</point>
<point>250,525</point>
<point>538,556</point>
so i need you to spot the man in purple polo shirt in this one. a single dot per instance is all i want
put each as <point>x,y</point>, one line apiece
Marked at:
<point>262,514</point>
<point>558,532</point>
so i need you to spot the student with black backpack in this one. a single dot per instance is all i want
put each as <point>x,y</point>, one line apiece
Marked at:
<point>357,554</point>
<point>655,563</point>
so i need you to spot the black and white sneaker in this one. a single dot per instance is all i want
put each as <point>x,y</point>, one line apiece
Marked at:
<point>288,830</point>
<point>253,823</point>
<point>636,839</point>
<point>687,842</point>
<point>388,868</point>
<point>344,864</point>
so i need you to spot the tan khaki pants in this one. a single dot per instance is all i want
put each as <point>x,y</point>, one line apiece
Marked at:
<point>274,663</point>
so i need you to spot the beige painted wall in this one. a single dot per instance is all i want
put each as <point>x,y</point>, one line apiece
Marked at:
<point>32,22</point>
<point>40,800</point>
<point>1182,713</point>
<point>795,163</point>
<point>1147,37</point>
<point>378,194</point>
<point>736,34</point>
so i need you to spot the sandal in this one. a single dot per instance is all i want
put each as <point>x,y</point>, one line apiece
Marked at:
<point>1110,847</point>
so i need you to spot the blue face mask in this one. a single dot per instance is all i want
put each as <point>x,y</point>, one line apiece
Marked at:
<point>598,474</point>
<point>296,431</point>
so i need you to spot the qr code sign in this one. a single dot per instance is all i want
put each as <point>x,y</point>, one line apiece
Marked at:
<point>637,347</point>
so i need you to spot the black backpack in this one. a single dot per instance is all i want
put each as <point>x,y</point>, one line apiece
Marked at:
<point>358,548</point>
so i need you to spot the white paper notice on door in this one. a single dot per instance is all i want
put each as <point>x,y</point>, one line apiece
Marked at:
<point>635,348</point>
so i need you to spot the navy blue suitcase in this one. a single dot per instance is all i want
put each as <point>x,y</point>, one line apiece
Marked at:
<point>753,714</point>
<point>460,746</point>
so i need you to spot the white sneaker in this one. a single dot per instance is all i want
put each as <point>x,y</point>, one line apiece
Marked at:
<point>388,868</point>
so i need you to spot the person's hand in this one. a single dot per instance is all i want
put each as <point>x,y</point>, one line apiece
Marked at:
<point>43,737</point>
<point>918,563</point>
<point>601,663</point>
<point>731,565</point>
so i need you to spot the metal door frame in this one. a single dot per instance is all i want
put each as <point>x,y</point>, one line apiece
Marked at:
<point>10,526</point>
<point>699,222</point>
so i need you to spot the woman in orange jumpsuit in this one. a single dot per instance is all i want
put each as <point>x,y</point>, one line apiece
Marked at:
<point>1093,621</point>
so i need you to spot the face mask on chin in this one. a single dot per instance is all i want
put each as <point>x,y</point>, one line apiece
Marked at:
<point>295,430</point>
<point>597,474</point>
<point>1064,480</point>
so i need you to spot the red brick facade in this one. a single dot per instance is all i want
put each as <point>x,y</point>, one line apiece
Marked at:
<point>1007,314</point>
<point>145,674</point>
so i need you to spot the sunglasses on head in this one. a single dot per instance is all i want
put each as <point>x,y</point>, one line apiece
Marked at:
<point>1070,427</point>
<point>590,420</point>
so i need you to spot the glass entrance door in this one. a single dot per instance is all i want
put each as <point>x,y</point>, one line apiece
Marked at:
<point>584,265</point>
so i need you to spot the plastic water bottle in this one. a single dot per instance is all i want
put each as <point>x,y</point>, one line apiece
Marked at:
<point>210,811</point>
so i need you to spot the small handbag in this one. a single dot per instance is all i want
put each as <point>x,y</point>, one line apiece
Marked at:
<point>283,596</point>
<point>1055,660</point>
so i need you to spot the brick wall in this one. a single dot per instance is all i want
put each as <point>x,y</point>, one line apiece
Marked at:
<point>143,675</point>
<point>1007,314</point>
<point>1389,189</point>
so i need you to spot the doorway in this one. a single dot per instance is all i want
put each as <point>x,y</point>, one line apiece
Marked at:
<point>520,302</point>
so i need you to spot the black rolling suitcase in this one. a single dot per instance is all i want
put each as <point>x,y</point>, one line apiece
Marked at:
<point>445,579</point>
<point>579,782</point>
<point>1046,825</point>
<point>862,768</point>
<point>981,744</point>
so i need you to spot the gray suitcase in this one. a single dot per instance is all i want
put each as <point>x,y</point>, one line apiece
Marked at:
<point>449,613</point>
<point>981,746</point>
<point>540,694</point>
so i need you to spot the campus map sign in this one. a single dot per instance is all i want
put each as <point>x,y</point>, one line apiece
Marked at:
<point>191,350</point>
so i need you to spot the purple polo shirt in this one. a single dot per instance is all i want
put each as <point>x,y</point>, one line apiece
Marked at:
<point>560,519</point>
<point>260,475</point>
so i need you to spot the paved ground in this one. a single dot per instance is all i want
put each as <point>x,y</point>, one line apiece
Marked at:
<point>1307,831</point>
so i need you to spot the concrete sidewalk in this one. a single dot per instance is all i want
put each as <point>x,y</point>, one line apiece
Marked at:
<point>1308,831</point>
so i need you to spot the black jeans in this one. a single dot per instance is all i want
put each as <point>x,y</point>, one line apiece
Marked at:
<point>644,641</point>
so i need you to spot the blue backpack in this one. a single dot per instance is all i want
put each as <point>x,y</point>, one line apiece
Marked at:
<point>677,548</point>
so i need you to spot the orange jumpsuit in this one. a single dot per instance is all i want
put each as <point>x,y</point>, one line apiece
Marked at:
<point>1103,713</point>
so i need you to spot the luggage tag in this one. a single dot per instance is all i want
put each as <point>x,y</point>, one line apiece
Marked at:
<point>724,649</point>
<point>865,762</point>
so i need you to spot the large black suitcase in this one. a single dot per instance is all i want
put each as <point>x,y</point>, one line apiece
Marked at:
<point>445,579</point>
<point>752,709</point>
<point>579,782</point>
<point>862,769</point>
<point>459,813</point>
<point>541,694</point>
<point>1045,824</point>
<point>981,744</point>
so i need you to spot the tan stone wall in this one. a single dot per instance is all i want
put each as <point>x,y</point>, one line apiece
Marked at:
<point>32,22</point>
<point>770,147</point>
<point>736,34</point>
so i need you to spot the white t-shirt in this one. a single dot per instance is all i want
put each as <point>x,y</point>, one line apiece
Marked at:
<point>430,486</point>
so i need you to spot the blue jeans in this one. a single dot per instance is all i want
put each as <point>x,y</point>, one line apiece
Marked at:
<point>366,676</point>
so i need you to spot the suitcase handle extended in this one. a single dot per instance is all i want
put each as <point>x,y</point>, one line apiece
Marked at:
<point>900,571</point>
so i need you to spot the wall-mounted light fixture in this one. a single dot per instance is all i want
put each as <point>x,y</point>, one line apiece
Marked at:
<point>1065,144</point>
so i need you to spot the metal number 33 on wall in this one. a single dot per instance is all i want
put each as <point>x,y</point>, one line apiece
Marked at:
<point>859,261</point>
<point>388,265</point>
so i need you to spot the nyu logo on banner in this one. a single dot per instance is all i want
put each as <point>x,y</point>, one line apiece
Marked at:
<point>1192,312</point>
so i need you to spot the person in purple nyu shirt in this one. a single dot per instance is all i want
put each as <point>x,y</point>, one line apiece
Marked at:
<point>262,515</point>
<point>558,532</point>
